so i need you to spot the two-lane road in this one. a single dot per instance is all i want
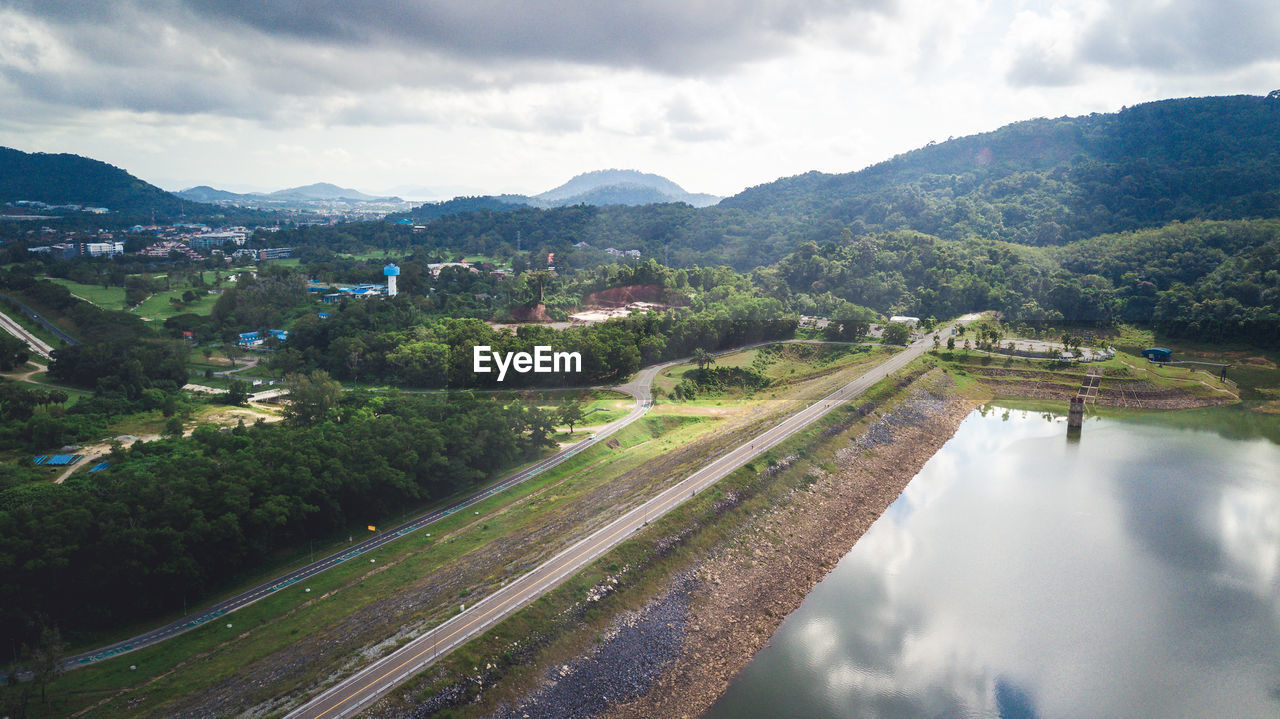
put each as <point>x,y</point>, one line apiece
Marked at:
<point>366,686</point>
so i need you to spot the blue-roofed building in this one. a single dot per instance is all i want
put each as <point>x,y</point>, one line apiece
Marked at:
<point>250,339</point>
<point>1158,354</point>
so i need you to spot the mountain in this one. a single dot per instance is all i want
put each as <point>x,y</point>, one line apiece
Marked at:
<point>204,193</point>
<point>619,187</point>
<point>71,179</point>
<point>1049,181</point>
<point>328,191</point>
<point>307,197</point>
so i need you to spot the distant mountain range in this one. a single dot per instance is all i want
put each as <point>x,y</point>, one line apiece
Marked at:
<point>600,188</point>
<point>318,192</point>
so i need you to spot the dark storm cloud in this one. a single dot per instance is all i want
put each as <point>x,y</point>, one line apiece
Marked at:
<point>675,36</point>
<point>267,59</point>
<point>1179,37</point>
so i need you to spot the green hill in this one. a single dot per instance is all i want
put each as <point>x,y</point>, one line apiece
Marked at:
<point>1047,181</point>
<point>70,179</point>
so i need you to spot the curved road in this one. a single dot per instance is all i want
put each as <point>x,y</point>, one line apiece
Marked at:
<point>366,686</point>
<point>639,388</point>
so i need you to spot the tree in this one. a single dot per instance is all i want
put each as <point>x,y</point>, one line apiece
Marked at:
<point>951,343</point>
<point>44,661</point>
<point>897,333</point>
<point>571,414</point>
<point>850,322</point>
<point>703,358</point>
<point>237,392</point>
<point>232,351</point>
<point>173,427</point>
<point>311,396</point>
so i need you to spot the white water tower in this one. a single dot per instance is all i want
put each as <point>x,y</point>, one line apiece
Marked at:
<point>392,272</point>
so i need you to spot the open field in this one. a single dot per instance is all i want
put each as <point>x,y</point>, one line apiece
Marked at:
<point>111,298</point>
<point>158,307</point>
<point>155,307</point>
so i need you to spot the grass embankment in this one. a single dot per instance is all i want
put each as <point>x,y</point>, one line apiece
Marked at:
<point>359,603</point>
<point>1128,381</point>
<point>508,661</point>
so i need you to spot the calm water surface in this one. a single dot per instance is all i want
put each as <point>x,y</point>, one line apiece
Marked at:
<point>1135,573</point>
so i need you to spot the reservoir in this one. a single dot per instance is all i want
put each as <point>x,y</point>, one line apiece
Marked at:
<point>1134,573</point>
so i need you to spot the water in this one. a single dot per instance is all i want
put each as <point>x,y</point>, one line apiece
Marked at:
<point>1135,573</point>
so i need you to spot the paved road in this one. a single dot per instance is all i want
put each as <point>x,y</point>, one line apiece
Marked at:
<point>639,388</point>
<point>366,686</point>
<point>37,345</point>
<point>53,329</point>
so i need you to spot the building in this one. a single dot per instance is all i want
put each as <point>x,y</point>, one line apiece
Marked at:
<point>101,249</point>
<point>164,248</point>
<point>1158,354</point>
<point>209,240</point>
<point>63,250</point>
<point>904,319</point>
<point>275,253</point>
<point>435,267</point>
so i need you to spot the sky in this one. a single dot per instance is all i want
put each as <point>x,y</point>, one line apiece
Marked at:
<point>435,99</point>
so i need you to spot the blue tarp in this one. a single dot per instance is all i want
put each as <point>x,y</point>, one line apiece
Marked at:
<point>99,466</point>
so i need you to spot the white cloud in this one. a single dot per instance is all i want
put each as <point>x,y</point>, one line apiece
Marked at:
<point>519,100</point>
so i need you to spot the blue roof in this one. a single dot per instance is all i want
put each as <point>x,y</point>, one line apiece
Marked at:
<point>390,270</point>
<point>99,466</point>
<point>249,335</point>
<point>62,459</point>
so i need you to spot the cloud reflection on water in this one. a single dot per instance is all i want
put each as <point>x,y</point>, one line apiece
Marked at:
<point>1134,574</point>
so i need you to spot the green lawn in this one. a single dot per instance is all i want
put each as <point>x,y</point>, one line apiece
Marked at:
<point>155,307</point>
<point>111,298</point>
<point>158,307</point>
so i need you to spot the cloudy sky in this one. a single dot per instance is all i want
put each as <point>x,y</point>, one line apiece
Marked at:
<point>484,96</point>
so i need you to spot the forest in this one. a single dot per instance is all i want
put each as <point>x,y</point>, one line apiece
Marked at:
<point>181,517</point>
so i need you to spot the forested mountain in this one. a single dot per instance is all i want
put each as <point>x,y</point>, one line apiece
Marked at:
<point>70,179</point>
<point>1039,182</point>
<point>1044,181</point>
